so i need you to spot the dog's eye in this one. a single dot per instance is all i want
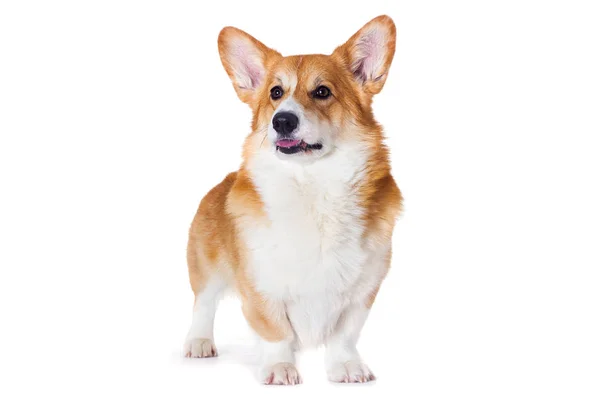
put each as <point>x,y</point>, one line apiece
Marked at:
<point>276,92</point>
<point>322,92</point>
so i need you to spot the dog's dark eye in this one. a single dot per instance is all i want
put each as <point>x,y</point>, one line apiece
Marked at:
<point>322,92</point>
<point>276,92</point>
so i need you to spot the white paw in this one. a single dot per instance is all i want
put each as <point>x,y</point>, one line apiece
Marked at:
<point>350,372</point>
<point>283,373</point>
<point>200,348</point>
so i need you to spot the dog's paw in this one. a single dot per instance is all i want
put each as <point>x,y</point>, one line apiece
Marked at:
<point>200,348</point>
<point>350,372</point>
<point>283,373</point>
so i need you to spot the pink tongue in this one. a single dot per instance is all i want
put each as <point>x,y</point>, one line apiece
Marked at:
<point>288,143</point>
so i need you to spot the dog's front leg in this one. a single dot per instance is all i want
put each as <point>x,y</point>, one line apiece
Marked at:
<point>270,322</point>
<point>342,361</point>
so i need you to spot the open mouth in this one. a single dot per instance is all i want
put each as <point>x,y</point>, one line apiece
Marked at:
<point>288,146</point>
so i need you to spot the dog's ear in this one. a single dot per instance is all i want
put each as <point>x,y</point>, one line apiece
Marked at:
<point>245,59</point>
<point>368,53</point>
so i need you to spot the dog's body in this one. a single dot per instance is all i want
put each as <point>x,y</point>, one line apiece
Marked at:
<point>303,230</point>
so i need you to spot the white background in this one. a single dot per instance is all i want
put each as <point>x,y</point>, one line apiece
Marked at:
<point>116,117</point>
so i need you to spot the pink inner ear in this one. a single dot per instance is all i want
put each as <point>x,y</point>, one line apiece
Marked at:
<point>369,55</point>
<point>247,65</point>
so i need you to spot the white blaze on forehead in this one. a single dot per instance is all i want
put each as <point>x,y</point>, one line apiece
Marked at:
<point>290,105</point>
<point>288,81</point>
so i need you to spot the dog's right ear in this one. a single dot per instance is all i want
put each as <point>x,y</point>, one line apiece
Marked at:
<point>245,59</point>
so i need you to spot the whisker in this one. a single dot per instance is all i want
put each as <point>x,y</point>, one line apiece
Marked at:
<point>265,136</point>
<point>263,139</point>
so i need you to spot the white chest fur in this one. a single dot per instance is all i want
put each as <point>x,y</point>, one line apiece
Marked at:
<point>311,257</point>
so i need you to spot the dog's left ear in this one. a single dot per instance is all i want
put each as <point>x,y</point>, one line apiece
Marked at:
<point>368,53</point>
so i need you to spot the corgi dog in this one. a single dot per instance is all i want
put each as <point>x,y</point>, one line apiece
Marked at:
<point>302,232</point>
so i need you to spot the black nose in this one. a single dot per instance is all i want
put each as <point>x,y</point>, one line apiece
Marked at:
<point>285,123</point>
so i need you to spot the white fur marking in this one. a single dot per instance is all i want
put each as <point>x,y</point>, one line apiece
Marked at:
<point>310,129</point>
<point>342,361</point>
<point>312,256</point>
<point>277,363</point>
<point>200,336</point>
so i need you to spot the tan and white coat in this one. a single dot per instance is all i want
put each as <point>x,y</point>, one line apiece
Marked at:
<point>305,240</point>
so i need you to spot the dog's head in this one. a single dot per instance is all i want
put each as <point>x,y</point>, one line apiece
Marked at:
<point>305,106</point>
